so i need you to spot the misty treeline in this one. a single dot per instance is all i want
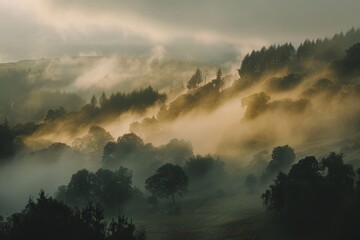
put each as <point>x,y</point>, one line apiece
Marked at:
<point>275,58</point>
<point>98,110</point>
<point>28,88</point>
<point>102,109</point>
<point>128,158</point>
<point>322,68</point>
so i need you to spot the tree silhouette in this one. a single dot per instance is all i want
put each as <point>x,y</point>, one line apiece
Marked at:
<point>218,82</point>
<point>315,192</point>
<point>168,180</point>
<point>47,218</point>
<point>195,80</point>
<point>94,101</point>
<point>111,189</point>
<point>338,173</point>
<point>7,146</point>
<point>282,159</point>
<point>94,142</point>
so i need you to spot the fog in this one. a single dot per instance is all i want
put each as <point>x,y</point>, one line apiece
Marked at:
<point>105,129</point>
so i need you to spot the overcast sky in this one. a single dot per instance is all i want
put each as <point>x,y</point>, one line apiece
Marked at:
<point>192,29</point>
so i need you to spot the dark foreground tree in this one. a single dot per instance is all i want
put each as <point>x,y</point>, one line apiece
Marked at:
<point>48,218</point>
<point>168,180</point>
<point>316,197</point>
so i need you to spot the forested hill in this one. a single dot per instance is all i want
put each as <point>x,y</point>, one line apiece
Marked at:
<point>275,69</point>
<point>275,58</point>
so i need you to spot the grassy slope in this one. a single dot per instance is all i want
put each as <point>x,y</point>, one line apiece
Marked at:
<point>228,217</point>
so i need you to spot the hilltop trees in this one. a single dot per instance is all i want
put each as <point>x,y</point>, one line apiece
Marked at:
<point>349,65</point>
<point>267,59</point>
<point>168,181</point>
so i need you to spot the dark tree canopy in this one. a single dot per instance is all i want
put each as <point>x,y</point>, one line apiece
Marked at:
<point>111,189</point>
<point>316,192</point>
<point>267,59</point>
<point>168,180</point>
<point>7,142</point>
<point>47,218</point>
<point>282,159</point>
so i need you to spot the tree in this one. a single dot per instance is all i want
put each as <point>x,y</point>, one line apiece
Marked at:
<point>52,115</point>
<point>80,189</point>
<point>176,151</point>
<point>47,218</point>
<point>314,192</point>
<point>7,145</point>
<point>94,142</point>
<point>168,180</point>
<point>255,104</point>
<point>126,145</point>
<point>218,82</point>
<point>282,159</point>
<point>94,101</point>
<point>102,99</point>
<point>111,189</point>
<point>195,80</point>
<point>358,180</point>
<point>338,173</point>
<point>283,156</point>
<point>205,171</point>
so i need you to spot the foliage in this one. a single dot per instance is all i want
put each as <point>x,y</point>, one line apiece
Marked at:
<point>168,180</point>
<point>94,142</point>
<point>7,146</point>
<point>52,115</point>
<point>314,192</point>
<point>111,189</point>
<point>48,218</point>
<point>129,150</point>
<point>282,159</point>
<point>267,59</point>
<point>205,171</point>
